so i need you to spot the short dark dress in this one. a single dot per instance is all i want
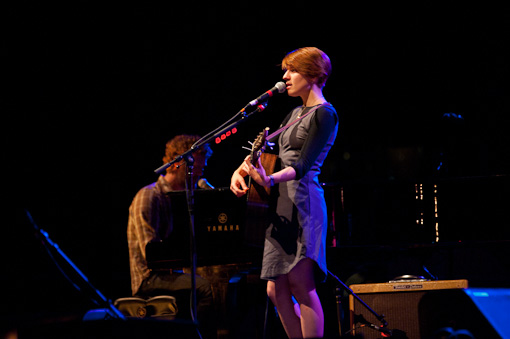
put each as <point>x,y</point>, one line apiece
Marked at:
<point>299,225</point>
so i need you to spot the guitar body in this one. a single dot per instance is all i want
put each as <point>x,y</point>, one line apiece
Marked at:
<point>259,195</point>
<point>257,206</point>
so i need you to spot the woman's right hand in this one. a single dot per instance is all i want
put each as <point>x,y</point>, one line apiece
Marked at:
<point>237,183</point>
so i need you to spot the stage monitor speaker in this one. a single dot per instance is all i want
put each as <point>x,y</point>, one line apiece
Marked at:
<point>418,309</point>
<point>494,303</point>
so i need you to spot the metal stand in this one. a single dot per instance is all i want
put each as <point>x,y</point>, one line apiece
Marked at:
<point>385,331</point>
<point>190,200</point>
<point>96,296</point>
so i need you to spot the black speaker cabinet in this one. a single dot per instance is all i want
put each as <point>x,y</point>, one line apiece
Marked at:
<point>418,309</point>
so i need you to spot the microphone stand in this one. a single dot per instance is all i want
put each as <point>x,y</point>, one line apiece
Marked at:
<point>98,298</point>
<point>190,187</point>
<point>383,328</point>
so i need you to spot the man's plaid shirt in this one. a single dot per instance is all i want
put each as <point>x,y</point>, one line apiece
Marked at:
<point>150,219</point>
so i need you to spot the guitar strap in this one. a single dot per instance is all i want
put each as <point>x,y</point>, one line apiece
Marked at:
<point>281,129</point>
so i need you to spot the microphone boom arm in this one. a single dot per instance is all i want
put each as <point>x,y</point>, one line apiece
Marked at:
<point>212,135</point>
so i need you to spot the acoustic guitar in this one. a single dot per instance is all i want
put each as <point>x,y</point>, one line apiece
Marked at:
<point>257,206</point>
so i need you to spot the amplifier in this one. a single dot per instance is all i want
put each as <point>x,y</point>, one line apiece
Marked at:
<point>413,309</point>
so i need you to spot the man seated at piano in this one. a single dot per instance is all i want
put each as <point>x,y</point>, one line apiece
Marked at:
<point>151,219</point>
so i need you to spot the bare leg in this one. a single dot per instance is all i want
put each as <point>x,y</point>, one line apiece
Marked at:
<point>285,306</point>
<point>302,287</point>
<point>270,289</point>
<point>271,294</point>
<point>300,283</point>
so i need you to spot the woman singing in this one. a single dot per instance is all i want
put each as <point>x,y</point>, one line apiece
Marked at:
<point>295,244</point>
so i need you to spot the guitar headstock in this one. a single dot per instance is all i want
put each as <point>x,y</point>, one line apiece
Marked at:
<point>259,146</point>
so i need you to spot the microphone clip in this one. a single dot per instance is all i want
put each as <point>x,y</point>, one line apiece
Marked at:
<point>260,107</point>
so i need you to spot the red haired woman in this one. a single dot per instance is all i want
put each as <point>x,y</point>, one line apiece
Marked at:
<point>295,244</point>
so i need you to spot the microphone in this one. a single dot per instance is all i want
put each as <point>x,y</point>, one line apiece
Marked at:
<point>203,183</point>
<point>279,87</point>
<point>385,332</point>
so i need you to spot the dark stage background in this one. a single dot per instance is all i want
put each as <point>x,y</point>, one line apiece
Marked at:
<point>95,90</point>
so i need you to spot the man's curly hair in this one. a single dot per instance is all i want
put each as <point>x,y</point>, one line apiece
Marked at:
<point>180,144</point>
